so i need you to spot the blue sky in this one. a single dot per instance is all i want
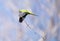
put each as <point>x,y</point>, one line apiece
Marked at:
<point>12,30</point>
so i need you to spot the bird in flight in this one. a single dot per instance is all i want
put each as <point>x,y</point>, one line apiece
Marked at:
<point>23,13</point>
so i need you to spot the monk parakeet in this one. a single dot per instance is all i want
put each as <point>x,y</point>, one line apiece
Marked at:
<point>23,14</point>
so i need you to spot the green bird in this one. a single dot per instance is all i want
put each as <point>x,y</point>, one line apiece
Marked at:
<point>23,14</point>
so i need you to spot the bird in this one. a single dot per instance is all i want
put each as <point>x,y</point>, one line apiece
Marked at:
<point>23,14</point>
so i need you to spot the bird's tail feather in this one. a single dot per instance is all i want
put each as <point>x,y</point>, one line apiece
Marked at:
<point>34,14</point>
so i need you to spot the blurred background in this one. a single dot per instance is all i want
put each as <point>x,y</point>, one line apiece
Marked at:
<point>44,27</point>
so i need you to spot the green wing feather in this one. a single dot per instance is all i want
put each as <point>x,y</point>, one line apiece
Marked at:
<point>25,11</point>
